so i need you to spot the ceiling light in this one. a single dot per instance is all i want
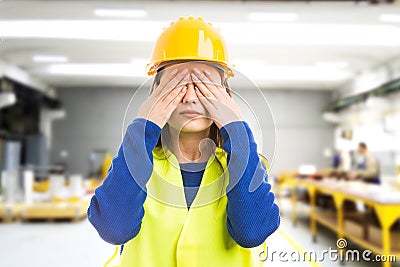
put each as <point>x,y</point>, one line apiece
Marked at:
<point>276,17</point>
<point>390,17</point>
<point>120,13</point>
<point>49,58</point>
<point>109,30</point>
<point>294,73</point>
<point>332,64</point>
<point>310,34</point>
<point>140,62</point>
<point>265,73</point>
<point>115,70</point>
<point>252,33</point>
<point>249,63</point>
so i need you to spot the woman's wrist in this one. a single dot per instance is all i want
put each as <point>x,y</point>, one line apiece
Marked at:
<point>149,123</point>
<point>147,131</point>
<point>235,131</point>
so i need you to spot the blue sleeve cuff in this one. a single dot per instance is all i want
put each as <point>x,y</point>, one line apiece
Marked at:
<point>236,135</point>
<point>151,132</point>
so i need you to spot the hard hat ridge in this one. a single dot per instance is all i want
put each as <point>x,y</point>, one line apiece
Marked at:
<point>190,39</point>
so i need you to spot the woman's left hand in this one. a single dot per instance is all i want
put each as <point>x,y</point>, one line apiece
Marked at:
<point>214,97</point>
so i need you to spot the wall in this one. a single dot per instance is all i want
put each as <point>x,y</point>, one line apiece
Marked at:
<point>94,121</point>
<point>302,135</point>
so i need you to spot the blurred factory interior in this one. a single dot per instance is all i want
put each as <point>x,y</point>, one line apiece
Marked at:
<point>329,72</point>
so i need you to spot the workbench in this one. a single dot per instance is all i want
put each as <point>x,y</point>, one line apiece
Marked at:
<point>10,211</point>
<point>73,211</point>
<point>384,201</point>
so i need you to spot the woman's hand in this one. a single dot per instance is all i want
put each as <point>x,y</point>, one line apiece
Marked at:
<point>165,98</point>
<point>215,99</point>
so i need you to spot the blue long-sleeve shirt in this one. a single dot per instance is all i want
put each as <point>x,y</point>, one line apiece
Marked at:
<point>116,210</point>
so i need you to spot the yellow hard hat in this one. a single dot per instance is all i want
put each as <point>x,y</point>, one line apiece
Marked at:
<point>190,39</point>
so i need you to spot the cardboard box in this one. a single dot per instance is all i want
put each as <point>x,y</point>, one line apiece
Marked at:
<point>353,228</point>
<point>375,236</point>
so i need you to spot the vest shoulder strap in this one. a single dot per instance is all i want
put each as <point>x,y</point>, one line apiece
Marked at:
<point>265,161</point>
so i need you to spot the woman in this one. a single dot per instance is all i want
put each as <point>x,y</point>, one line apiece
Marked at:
<point>187,187</point>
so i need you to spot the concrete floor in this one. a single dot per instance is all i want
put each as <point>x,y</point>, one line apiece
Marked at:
<point>77,244</point>
<point>51,245</point>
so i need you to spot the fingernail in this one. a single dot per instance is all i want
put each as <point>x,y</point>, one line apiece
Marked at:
<point>184,71</point>
<point>194,77</point>
<point>174,72</point>
<point>207,72</point>
<point>196,71</point>
<point>183,89</point>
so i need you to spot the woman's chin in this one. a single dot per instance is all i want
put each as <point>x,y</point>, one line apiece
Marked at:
<point>195,125</point>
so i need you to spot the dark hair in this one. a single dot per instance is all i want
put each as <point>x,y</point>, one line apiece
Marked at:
<point>215,133</point>
<point>362,145</point>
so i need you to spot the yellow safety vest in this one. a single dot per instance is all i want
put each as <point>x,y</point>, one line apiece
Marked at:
<point>171,235</point>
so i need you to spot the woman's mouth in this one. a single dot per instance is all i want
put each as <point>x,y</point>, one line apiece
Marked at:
<point>190,113</point>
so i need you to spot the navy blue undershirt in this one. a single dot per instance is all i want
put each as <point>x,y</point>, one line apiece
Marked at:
<point>192,174</point>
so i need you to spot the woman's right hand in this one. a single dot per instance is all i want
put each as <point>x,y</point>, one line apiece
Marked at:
<point>165,97</point>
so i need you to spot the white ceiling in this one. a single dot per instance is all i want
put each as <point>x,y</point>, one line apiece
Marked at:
<point>274,55</point>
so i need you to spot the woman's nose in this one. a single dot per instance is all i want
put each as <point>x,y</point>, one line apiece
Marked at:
<point>190,93</point>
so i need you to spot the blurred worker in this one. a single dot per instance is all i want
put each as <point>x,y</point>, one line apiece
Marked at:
<point>187,187</point>
<point>338,164</point>
<point>337,160</point>
<point>366,166</point>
